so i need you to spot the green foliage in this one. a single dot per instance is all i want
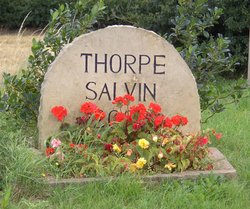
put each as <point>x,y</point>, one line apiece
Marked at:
<point>13,12</point>
<point>5,200</point>
<point>149,14</point>
<point>235,24</point>
<point>207,56</point>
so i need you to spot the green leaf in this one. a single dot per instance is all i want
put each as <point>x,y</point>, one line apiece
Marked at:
<point>206,34</point>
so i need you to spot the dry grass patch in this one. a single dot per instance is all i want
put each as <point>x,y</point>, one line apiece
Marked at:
<point>15,47</point>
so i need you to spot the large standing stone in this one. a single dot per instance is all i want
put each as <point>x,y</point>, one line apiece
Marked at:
<point>111,62</point>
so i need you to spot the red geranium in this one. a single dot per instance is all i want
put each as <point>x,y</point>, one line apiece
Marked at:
<point>99,114</point>
<point>88,108</point>
<point>158,120</point>
<point>138,125</point>
<point>59,112</point>
<point>179,120</point>
<point>184,121</point>
<point>155,107</point>
<point>123,100</point>
<point>49,151</point>
<point>138,110</point>
<point>168,123</point>
<point>120,116</point>
<point>129,98</point>
<point>120,101</point>
<point>202,141</point>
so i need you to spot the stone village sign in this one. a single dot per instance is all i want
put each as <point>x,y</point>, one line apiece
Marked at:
<point>114,61</point>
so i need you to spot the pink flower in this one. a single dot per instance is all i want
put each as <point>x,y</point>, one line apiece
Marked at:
<point>55,143</point>
<point>218,136</point>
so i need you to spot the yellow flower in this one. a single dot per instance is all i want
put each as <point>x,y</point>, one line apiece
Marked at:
<point>116,148</point>
<point>155,138</point>
<point>165,141</point>
<point>169,166</point>
<point>43,174</point>
<point>143,143</point>
<point>141,162</point>
<point>133,167</point>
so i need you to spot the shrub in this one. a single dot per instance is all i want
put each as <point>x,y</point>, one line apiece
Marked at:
<point>207,56</point>
<point>234,24</point>
<point>13,12</point>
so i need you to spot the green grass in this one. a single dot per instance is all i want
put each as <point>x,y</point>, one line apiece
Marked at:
<point>212,192</point>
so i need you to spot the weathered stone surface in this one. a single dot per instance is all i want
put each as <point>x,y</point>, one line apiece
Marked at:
<point>221,168</point>
<point>136,61</point>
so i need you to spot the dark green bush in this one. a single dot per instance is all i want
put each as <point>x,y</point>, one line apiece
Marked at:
<point>12,13</point>
<point>208,56</point>
<point>235,24</point>
<point>149,14</point>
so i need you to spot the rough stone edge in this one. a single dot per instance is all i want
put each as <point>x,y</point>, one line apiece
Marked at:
<point>61,53</point>
<point>222,168</point>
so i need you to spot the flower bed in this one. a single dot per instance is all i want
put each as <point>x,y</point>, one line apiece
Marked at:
<point>136,139</point>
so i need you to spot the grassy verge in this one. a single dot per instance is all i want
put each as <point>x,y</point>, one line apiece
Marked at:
<point>130,193</point>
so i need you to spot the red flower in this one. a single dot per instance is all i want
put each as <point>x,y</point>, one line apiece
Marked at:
<point>139,110</point>
<point>98,136</point>
<point>203,141</point>
<point>59,112</point>
<point>136,126</point>
<point>129,98</point>
<point>49,151</point>
<point>158,120</point>
<point>176,120</point>
<point>99,114</point>
<point>218,136</point>
<point>155,107</point>
<point>184,121</point>
<point>120,101</point>
<point>88,108</point>
<point>179,120</point>
<point>72,145</point>
<point>168,123</point>
<point>123,100</point>
<point>120,117</point>
<point>108,147</point>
